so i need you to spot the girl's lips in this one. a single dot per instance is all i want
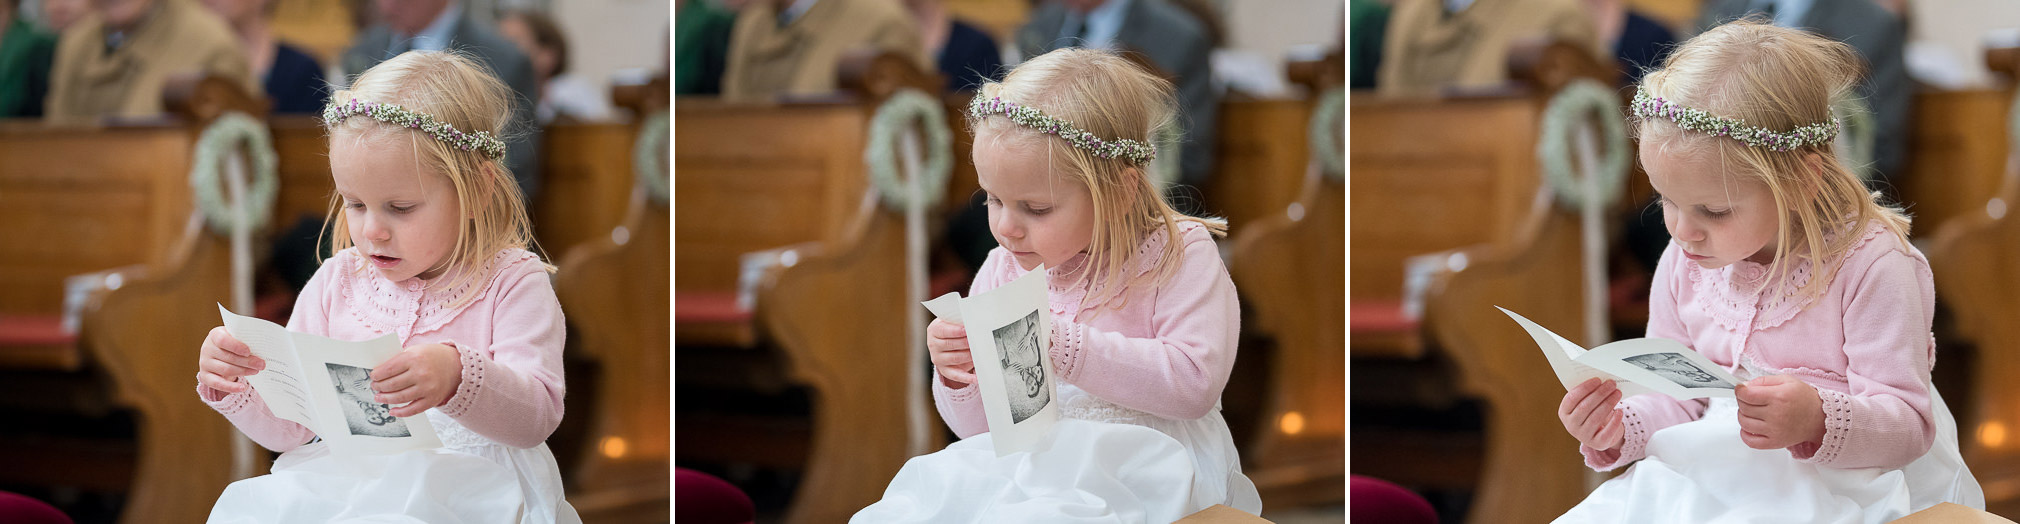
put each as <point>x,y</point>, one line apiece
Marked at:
<point>1694,256</point>
<point>384,261</point>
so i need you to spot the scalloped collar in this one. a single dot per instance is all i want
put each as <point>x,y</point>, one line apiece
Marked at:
<point>1737,295</point>
<point>413,306</point>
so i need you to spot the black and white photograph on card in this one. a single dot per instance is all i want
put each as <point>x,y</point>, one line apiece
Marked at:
<point>362,414</point>
<point>1679,369</point>
<point>1023,367</point>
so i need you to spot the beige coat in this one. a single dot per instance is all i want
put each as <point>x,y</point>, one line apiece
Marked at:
<point>800,58</point>
<point>178,36</point>
<point>1427,49</point>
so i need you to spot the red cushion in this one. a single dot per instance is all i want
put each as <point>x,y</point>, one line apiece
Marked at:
<point>34,330</point>
<point>707,307</point>
<point>1370,317</point>
<point>1376,500</point>
<point>704,498</point>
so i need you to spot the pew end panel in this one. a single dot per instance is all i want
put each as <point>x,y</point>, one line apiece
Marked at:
<point>1528,274</point>
<point>141,326</point>
<point>1291,268</point>
<point>614,291</point>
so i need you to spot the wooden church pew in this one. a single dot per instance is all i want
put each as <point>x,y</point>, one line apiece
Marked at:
<point>1458,179</point>
<point>787,179</point>
<point>614,287</point>
<point>1288,260</point>
<point>1958,146</point>
<point>69,205</point>
<point>1975,263</point>
<point>138,323</point>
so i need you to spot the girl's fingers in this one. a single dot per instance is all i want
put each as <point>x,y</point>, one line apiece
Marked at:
<point>955,358</point>
<point>213,381</point>
<point>1586,407</point>
<point>245,361</point>
<point>411,409</point>
<point>1614,431</point>
<point>1577,393</point>
<point>965,377</point>
<point>394,395</point>
<point>940,328</point>
<point>392,367</point>
<point>223,340</point>
<point>224,369</point>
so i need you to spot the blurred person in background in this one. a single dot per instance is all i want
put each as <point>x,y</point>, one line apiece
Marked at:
<point>292,79</point>
<point>115,60</point>
<point>436,25</point>
<point>791,47</point>
<point>26,54</point>
<point>560,94</point>
<point>966,56</point>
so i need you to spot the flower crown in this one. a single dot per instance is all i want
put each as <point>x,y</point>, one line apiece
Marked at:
<point>480,141</point>
<point>1646,106</point>
<point>1134,152</point>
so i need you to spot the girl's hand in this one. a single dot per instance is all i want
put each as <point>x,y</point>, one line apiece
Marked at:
<point>224,360</point>
<point>947,345</point>
<point>1779,411</point>
<point>1588,413</point>
<point>422,376</point>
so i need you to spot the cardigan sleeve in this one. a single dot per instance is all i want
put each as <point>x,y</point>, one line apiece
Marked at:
<point>1645,414</point>
<point>247,410</point>
<point>1883,419</point>
<point>512,391</point>
<point>1179,372</point>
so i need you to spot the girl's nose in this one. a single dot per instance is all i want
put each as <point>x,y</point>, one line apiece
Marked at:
<point>1006,224</point>
<point>1687,230</point>
<point>376,229</point>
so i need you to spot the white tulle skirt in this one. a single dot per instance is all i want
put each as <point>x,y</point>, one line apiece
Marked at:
<point>469,480</point>
<point>1701,472</point>
<point>1102,463</point>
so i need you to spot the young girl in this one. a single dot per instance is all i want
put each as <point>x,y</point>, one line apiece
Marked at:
<point>435,252</point>
<point>1143,315</point>
<point>1786,271</point>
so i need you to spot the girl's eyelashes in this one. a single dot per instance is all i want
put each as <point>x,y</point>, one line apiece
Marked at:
<point>1037,210</point>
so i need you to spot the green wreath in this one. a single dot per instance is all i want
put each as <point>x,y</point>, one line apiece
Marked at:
<point>881,158</point>
<point>648,155</point>
<point>1855,141</point>
<point>1582,98</point>
<point>222,138</point>
<point>1327,148</point>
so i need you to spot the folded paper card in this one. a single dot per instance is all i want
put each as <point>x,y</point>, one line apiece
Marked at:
<point>1009,337</point>
<point>1640,366</point>
<point>325,385</point>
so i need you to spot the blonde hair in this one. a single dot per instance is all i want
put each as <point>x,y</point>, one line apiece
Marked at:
<point>1112,97</point>
<point>459,91</point>
<point>1776,78</point>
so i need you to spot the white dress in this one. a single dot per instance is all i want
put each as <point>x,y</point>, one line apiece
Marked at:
<point>469,480</point>
<point>1102,463</point>
<point>1701,472</point>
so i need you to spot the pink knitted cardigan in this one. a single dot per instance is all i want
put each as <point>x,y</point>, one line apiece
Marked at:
<point>1865,345</point>
<point>510,338</point>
